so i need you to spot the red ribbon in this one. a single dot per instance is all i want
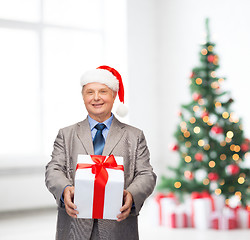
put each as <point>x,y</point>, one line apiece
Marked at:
<point>175,216</point>
<point>101,179</point>
<point>248,209</point>
<point>198,195</point>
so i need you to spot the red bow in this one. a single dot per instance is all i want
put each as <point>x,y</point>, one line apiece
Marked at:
<point>101,179</point>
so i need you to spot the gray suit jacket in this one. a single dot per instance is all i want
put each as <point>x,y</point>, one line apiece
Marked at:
<point>122,140</point>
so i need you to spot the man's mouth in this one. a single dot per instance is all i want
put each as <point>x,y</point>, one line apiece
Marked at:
<point>97,105</point>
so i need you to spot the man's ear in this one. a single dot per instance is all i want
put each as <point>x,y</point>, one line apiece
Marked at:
<point>82,92</point>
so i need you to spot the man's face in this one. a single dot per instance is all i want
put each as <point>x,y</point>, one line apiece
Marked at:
<point>98,100</point>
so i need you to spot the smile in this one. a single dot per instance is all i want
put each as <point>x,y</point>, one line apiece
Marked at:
<point>97,105</point>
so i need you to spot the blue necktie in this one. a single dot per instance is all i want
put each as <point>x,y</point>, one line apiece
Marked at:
<point>99,140</point>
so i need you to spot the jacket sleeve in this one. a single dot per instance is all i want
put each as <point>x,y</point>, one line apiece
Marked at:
<point>144,178</point>
<point>55,174</point>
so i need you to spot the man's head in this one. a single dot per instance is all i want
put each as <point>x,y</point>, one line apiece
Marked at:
<point>98,99</point>
<point>99,90</point>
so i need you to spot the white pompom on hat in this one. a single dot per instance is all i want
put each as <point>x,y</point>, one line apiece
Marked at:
<point>110,77</point>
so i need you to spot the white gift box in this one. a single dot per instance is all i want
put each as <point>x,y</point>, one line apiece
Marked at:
<point>243,218</point>
<point>202,211</point>
<point>219,202</point>
<point>166,204</point>
<point>224,219</point>
<point>202,206</point>
<point>92,197</point>
<point>178,218</point>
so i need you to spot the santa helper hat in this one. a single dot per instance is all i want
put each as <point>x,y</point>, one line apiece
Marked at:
<point>110,77</point>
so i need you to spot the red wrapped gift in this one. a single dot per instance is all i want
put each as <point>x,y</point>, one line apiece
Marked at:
<point>178,218</point>
<point>224,220</point>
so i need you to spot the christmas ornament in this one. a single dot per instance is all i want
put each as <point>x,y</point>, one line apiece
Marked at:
<point>213,185</point>
<point>210,58</point>
<point>217,130</point>
<point>196,96</point>
<point>232,169</point>
<point>212,176</point>
<point>188,175</point>
<point>244,147</point>
<point>200,175</point>
<point>247,140</point>
<point>192,75</point>
<point>205,114</point>
<point>174,147</point>
<point>234,201</point>
<point>199,157</point>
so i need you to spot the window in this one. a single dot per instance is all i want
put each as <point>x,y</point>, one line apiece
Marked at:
<point>45,46</point>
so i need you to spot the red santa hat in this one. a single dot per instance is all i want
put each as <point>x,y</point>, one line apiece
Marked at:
<point>110,77</point>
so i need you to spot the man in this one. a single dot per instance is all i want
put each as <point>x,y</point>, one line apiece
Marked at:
<point>99,89</point>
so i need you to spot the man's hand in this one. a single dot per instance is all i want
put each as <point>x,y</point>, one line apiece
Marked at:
<point>126,208</point>
<point>68,196</point>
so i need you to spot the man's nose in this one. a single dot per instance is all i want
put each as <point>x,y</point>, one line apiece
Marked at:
<point>96,96</point>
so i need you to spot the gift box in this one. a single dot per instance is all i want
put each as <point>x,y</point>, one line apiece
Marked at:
<point>99,184</point>
<point>219,202</point>
<point>165,202</point>
<point>224,220</point>
<point>178,218</point>
<point>243,217</point>
<point>202,206</point>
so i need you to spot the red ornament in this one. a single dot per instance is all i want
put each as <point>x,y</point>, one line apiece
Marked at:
<point>232,169</point>
<point>210,58</point>
<point>204,114</point>
<point>213,176</point>
<point>188,175</point>
<point>179,113</point>
<point>199,157</point>
<point>246,140</point>
<point>244,147</point>
<point>196,96</point>
<point>192,75</point>
<point>217,130</point>
<point>174,147</point>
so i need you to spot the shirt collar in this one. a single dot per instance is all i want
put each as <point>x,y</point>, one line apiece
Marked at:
<point>107,122</point>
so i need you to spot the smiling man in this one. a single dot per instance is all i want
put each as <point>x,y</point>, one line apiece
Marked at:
<point>99,90</point>
<point>98,100</point>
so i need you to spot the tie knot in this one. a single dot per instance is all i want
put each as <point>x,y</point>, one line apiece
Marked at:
<point>100,126</point>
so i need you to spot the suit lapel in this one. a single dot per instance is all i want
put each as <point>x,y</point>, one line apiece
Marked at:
<point>84,134</point>
<point>116,132</point>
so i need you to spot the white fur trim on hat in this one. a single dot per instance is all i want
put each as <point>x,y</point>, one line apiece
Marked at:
<point>100,76</point>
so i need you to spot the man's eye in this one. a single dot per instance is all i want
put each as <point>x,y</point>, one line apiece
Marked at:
<point>103,91</point>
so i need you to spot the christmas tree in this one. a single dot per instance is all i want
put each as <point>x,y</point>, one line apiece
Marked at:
<point>209,139</point>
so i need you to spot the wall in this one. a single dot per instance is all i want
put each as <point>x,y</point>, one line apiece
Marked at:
<point>143,65</point>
